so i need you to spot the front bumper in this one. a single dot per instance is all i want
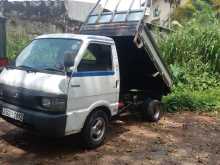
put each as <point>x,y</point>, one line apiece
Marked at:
<point>51,125</point>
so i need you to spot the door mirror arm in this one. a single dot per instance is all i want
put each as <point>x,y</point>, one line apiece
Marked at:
<point>68,62</point>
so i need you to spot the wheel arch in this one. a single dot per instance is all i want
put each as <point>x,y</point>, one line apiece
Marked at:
<point>103,108</point>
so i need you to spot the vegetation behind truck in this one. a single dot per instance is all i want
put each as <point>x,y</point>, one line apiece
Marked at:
<point>63,84</point>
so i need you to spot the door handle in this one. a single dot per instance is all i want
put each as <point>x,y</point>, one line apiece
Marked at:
<point>116,83</point>
<point>75,86</point>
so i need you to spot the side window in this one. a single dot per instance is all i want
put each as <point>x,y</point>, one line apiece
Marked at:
<point>97,57</point>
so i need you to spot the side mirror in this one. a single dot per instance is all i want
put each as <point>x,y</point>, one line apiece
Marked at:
<point>68,60</point>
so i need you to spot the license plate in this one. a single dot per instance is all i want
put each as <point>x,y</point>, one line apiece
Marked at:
<point>13,114</point>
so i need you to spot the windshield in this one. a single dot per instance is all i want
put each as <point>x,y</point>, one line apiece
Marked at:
<point>47,54</point>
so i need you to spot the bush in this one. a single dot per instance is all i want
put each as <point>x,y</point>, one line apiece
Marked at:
<point>15,43</point>
<point>195,40</point>
<point>184,11</point>
<point>193,54</point>
<point>185,99</point>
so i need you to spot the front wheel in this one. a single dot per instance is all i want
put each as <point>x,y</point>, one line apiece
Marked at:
<point>152,110</point>
<point>94,131</point>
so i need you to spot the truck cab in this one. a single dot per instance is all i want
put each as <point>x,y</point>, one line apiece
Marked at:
<point>63,84</point>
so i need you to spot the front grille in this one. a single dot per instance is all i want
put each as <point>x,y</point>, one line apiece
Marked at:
<point>20,97</point>
<point>26,98</point>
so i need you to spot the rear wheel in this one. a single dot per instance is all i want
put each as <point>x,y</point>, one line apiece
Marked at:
<point>94,131</point>
<point>152,110</point>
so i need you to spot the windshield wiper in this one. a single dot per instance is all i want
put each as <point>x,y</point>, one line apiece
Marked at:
<point>26,67</point>
<point>53,69</point>
<point>10,67</point>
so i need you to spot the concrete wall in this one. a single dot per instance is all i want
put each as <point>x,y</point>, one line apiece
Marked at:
<point>37,17</point>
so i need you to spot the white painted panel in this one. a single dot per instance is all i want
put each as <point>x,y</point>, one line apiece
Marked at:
<point>56,84</point>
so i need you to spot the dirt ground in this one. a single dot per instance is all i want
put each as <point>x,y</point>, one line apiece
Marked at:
<point>178,139</point>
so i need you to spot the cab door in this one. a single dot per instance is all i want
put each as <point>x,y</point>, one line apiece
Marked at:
<point>96,79</point>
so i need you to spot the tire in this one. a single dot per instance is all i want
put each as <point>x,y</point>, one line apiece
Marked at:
<point>152,110</point>
<point>94,131</point>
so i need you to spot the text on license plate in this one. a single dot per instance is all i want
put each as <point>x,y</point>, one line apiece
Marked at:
<point>12,114</point>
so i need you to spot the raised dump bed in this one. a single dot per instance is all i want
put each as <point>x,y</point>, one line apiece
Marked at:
<point>141,66</point>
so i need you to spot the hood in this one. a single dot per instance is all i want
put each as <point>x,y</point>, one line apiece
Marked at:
<point>44,82</point>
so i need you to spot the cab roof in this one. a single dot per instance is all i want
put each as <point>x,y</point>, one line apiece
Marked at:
<point>76,36</point>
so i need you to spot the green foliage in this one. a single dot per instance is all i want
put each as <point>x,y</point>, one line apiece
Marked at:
<point>193,54</point>
<point>15,43</point>
<point>194,74</point>
<point>187,10</point>
<point>186,99</point>
<point>184,11</point>
<point>194,89</point>
<point>199,38</point>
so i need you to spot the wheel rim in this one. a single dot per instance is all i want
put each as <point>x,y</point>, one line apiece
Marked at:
<point>98,129</point>
<point>157,111</point>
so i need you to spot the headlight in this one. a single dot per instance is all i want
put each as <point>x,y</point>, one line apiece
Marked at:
<point>54,104</point>
<point>46,102</point>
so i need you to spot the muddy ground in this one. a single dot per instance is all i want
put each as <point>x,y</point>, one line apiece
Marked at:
<point>178,139</point>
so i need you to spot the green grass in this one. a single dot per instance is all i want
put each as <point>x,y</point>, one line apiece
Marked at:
<point>193,54</point>
<point>187,100</point>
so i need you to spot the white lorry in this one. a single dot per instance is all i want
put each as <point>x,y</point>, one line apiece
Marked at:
<point>63,84</point>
